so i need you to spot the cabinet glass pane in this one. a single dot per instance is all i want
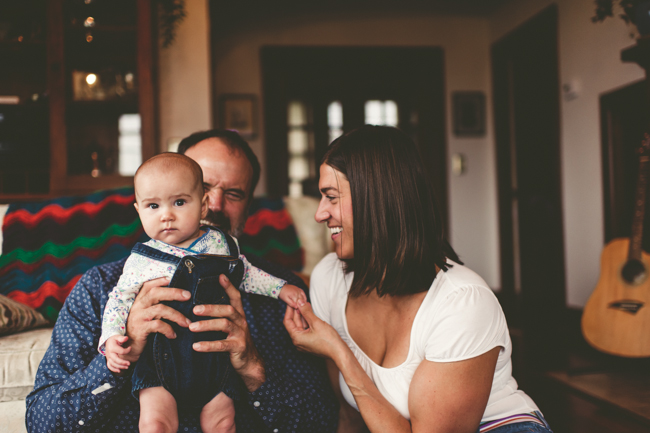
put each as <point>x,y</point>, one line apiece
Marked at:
<point>100,57</point>
<point>24,139</point>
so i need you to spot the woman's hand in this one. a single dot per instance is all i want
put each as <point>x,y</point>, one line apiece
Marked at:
<point>317,337</point>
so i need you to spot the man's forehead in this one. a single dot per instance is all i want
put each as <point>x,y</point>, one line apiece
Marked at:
<point>222,163</point>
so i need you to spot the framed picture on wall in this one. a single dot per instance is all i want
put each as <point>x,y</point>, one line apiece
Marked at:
<point>239,113</point>
<point>469,114</point>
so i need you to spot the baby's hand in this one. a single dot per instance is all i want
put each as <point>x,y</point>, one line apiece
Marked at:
<point>291,295</point>
<point>114,349</point>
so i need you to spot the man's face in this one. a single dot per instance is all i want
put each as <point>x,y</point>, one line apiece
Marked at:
<point>227,176</point>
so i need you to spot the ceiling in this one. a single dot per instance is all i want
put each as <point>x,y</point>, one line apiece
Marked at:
<point>228,13</point>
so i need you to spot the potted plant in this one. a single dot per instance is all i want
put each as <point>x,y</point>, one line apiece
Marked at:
<point>635,12</point>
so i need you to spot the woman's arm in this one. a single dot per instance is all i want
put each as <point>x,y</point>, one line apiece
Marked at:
<point>350,420</point>
<point>451,396</point>
<point>443,397</point>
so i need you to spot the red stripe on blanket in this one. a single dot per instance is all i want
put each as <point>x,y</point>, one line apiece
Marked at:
<point>60,215</point>
<point>279,220</point>
<point>47,290</point>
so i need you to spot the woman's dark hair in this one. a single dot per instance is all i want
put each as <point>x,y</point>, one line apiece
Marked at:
<point>398,230</point>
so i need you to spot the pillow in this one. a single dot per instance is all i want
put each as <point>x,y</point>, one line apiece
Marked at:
<point>48,245</point>
<point>20,355</point>
<point>269,233</point>
<point>16,317</point>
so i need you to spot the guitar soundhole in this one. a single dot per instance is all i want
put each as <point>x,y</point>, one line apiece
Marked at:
<point>634,272</point>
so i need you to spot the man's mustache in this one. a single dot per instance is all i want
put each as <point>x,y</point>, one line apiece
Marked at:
<point>218,219</point>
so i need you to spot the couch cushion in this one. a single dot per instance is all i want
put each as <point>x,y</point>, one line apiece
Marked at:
<point>17,317</point>
<point>48,245</point>
<point>21,354</point>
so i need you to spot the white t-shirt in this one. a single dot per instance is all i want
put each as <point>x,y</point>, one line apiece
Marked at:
<point>459,318</point>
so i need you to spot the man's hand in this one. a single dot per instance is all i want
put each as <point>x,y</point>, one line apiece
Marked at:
<point>146,314</point>
<point>231,319</point>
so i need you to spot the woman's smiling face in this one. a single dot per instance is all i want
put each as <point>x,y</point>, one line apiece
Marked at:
<point>335,209</point>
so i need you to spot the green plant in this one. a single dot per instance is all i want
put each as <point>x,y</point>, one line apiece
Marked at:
<point>171,14</point>
<point>605,8</point>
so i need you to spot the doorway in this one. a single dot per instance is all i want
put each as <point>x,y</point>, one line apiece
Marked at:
<point>318,93</point>
<point>526,109</point>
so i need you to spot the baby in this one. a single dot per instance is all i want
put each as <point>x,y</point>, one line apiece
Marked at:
<point>170,201</point>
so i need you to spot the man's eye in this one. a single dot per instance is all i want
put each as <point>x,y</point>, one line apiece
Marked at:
<point>179,202</point>
<point>152,206</point>
<point>235,196</point>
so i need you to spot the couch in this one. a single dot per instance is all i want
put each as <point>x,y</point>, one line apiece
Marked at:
<point>21,352</point>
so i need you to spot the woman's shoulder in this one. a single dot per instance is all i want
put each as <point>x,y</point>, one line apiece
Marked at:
<point>328,266</point>
<point>327,286</point>
<point>463,318</point>
<point>461,292</point>
<point>460,275</point>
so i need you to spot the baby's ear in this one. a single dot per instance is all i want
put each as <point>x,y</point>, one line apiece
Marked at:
<point>135,205</point>
<point>204,206</point>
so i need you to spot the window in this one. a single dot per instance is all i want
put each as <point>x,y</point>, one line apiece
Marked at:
<point>334,120</point>
<point>130,144</point>
<point>300,146</point>
<point>381,113</point>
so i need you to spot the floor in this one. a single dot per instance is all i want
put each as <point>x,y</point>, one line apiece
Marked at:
<point>590,392</point>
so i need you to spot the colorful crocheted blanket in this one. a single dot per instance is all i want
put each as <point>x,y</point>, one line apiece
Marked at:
<point>48,245</point>
<point>270,233</point>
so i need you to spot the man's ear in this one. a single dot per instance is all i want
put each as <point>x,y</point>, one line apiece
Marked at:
<point>204,206</point>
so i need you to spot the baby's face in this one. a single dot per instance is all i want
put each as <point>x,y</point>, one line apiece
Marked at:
<point>170,206</point>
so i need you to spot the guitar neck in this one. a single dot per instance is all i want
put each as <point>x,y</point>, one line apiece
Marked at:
<point>636,237</point>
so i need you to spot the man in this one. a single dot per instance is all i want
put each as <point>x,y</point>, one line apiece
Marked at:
<point>287,390</point>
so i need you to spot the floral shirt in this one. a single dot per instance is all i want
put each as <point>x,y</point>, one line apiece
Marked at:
<point>140,269</point>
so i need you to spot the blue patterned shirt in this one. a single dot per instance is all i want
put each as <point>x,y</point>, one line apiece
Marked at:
<point>296,396</point>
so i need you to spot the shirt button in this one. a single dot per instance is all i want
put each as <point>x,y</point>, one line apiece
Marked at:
<point>256,404</point>
<point>81,422</point>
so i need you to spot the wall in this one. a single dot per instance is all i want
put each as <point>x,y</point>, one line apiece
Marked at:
<point>465,43</point>
<point>590,60</point>
<point>184,78</point>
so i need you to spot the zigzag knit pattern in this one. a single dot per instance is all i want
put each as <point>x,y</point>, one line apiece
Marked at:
<point>48,245</point>
<point>269,233</point>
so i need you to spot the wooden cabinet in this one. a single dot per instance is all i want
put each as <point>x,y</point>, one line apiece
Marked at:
<point>83,72</point>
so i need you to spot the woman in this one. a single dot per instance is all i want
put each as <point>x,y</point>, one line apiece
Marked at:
<point>414,340</point>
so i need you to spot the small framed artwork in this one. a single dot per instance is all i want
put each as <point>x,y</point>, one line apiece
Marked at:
<point>239,113</point>
<point>469,114</point>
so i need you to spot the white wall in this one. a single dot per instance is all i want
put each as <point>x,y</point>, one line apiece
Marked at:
<point>184,77</point>
<point>590,58</point>
<point>465,42</point>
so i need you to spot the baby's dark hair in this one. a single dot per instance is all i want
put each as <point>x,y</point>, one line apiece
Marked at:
<point>172,161</point>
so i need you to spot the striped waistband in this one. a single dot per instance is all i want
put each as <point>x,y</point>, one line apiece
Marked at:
<point>535,417</point>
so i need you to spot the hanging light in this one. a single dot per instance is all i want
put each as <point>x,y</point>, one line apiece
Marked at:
<point>89,22</point>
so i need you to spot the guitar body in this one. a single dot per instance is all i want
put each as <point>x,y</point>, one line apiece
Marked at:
<point>616,319</point>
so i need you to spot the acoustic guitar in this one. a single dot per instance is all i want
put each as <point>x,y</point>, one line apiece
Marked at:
<point>616,319</point>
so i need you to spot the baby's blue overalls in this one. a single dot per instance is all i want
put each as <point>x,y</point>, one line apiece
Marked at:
<point>193,378</point>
